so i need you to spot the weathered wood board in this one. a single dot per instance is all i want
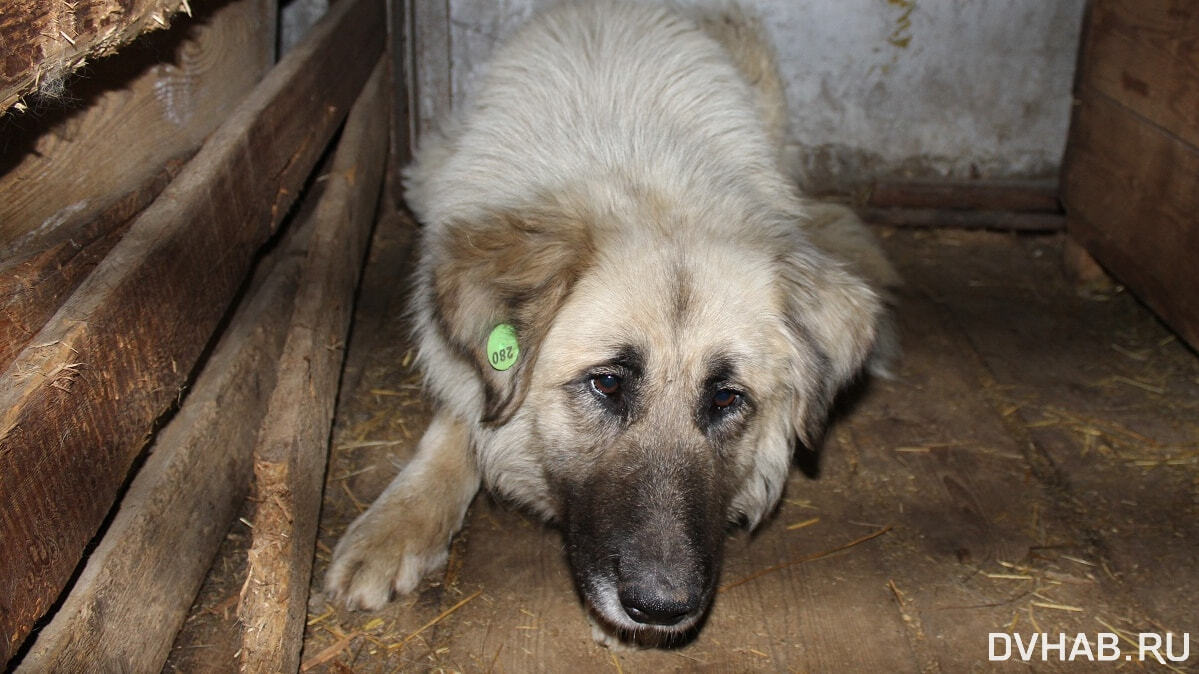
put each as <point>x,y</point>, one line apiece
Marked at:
<point>155,101</point>
<point>401,59</point>
<point>1106,402</point>
<point>1144,54</point>
<point>81,401</point>
<point>1133,152</point>
<point>1024,196</point>
<point>40,275</point>
<point>289,460</point>
<point>72,177</point>
<point>136,581</point>
<point>1131,196</point>
<point>431,63</point>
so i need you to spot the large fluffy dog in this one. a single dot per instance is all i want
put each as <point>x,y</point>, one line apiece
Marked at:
<point>614,194</point>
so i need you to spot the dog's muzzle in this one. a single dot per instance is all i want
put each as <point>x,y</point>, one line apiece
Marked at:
<point>645,551</point>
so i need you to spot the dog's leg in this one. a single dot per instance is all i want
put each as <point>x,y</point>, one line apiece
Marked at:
<point>405,533</point>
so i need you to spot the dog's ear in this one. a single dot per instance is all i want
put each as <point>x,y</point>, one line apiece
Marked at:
<point>512,267</point>
<point>832,319</point>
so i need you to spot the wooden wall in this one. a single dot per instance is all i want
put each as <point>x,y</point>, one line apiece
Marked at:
<point>73,172</point>
<point>1131,177</point>
<point>131,217</point>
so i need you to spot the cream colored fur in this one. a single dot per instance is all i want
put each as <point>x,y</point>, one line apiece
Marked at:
<point>615,180</point>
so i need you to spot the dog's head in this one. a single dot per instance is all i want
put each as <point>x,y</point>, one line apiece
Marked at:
<point>662,382</point>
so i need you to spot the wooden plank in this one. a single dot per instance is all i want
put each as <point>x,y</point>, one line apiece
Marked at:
<point>1145,54</point>
<point>289,460</point>
<point>80,403</point>
<point>154,102</point>
<point>37,278</point>
<point>134,593</point>
<point>1023,195</point>
<point>1130,194</point>
<point>44,42</point>
<point>211,636</point>
<point>962,219</point>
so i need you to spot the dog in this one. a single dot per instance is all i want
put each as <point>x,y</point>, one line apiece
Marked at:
<point>625,311</point>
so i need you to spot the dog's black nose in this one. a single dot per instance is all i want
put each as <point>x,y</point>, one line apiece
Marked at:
<point>655,606</point>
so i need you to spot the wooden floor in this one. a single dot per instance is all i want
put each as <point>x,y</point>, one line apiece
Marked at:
<point>1033,467</point>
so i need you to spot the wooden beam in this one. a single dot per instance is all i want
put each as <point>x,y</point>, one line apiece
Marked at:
<point>134,593</point>
<point>154,102</point>
<point>81,401</point>
<point>289,461</point>
<point>76,176</point>
<point>36,278</point>
<point>994,220</point>
<point>1009,195</point>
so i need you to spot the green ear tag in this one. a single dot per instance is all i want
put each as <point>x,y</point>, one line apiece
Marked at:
<point>502,349</point>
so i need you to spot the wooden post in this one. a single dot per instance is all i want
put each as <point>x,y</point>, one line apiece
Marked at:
<point>289,462</point>
<point>80,402</point>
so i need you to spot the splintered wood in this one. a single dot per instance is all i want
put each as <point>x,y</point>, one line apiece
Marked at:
<point>289,461</point>
<point>44,42</point>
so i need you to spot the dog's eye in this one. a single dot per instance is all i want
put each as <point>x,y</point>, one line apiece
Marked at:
<point>725,398</point>
<point>605,384</point>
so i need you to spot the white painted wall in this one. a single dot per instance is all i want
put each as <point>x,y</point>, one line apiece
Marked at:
<point>296,18</point>
<point>924,88</point>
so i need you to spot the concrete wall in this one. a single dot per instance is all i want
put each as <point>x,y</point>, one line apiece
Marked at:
<point>955,88</point>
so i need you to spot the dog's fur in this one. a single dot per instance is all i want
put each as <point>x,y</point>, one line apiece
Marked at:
<point>615,191</point>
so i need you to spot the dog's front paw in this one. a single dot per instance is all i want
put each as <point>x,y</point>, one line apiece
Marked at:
<point>383,554</point>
